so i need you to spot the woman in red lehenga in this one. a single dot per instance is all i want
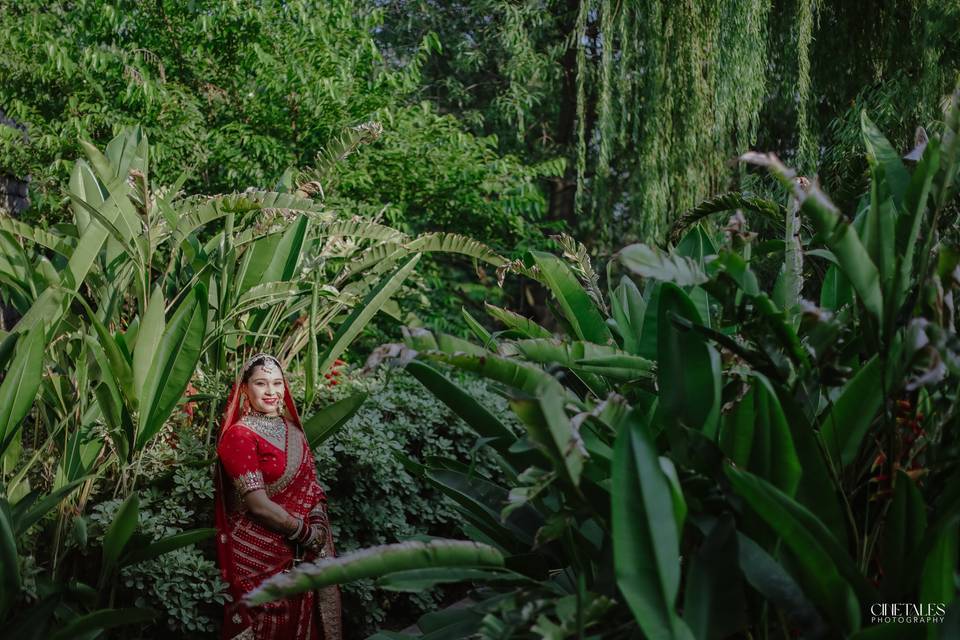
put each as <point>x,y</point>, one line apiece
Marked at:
<point>270,510</point>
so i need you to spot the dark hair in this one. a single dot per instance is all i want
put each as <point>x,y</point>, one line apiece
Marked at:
<point>259,362</point>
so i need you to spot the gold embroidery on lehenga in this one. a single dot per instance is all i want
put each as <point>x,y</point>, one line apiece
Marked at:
<point>249,481</point>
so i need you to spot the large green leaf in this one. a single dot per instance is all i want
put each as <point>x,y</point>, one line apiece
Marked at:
<point>517,322</point>
<point>847,423</point>
<point>362,313</point>
<point>119,365</point>
<point>481,502</point>
<point>555,433</point>
<point>937,584</point>
<point>20,384</point>
<point>149,334</point>
<point>818,556</point>
<point>509,371</point>
<point>577,306</point>
<point>879,229</point>
<point>273,258</point>
<point>756,437</point>
<point>174,363</point>
<point>628,306</point>
<point>903,531</point>
<point>478,417</point>
<point>26,517</point>
<point>881,153</point>
<point>714,603</point>
<point>374,562</point>
<point>415,580</point>
<point>119,532</point>
<point>166,545</point>
<point>817,490</point>
<point>688,368</point>
<point>650,262</point>
<point>454,243</point>
<point>328,420</point>
<point>645,538</point>
<point>914,215</point>
<point>765,574</point>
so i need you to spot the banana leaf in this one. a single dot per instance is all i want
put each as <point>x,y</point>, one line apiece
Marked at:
<point>374,562</point>
<point>646,543</point>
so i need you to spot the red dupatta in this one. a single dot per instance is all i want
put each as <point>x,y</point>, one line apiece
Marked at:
<point>324,604</point>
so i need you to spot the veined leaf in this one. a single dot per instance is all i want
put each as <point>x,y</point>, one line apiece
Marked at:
<point>149,335</point>
<point>374,562</point>
<point>20,384</point>
<point>628,306</point>
<point>881,153</point>
<point>329,419</point>
<point>174,363</point>
<point>515,321</point>
<point>646,546</point>
<point>756,437</point>
<point>477,416</point>
<point>363,312</point>
<point>847,423</point>
<point>817,555</point>
<point>576,305</point>
<point>416,580</point>
<point>455,243</point>
<point>119,532</point>
<point>166,545</point>
<point>650,262</point>
<point>688,368</point>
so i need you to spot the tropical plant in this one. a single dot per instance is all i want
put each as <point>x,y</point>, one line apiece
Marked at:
<point>121,307</point>
<point>718,454</point>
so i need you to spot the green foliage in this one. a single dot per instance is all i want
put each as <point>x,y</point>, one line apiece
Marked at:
<point>649,101</point>
<point>221,99</point>
<point>458,183</point>
<point>764,456</point>
<point>373,498</point>
<point>183,584</point>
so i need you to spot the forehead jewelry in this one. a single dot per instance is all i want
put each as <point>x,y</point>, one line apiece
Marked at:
<point>269,362</point>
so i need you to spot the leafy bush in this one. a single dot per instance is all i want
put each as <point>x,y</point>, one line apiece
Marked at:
<point>373,499</point>
<point>184,584</point>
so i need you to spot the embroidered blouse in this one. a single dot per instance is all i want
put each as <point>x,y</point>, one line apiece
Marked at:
<point>251,460</point>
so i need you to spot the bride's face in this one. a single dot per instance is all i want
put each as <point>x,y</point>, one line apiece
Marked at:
<point>265,390</point>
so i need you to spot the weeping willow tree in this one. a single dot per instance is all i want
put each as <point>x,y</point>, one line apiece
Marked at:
<point>677,88</point>
<point>649,101</point>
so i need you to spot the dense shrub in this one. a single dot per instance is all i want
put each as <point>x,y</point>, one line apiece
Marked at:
<point>372,498</point>
<point>184,584</point>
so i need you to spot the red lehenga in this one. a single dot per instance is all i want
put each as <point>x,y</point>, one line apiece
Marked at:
<point>248,551</point>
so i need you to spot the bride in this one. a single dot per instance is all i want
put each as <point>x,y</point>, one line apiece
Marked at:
<point>270,510</point>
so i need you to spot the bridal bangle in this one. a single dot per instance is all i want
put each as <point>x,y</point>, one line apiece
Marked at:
<point>298,530</point>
